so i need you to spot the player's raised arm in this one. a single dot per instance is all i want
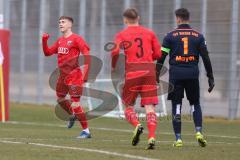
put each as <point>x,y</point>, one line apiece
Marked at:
<point>48,51</point>
<point>116,51</point>
<point>85,50</point>
<point>207,63</point>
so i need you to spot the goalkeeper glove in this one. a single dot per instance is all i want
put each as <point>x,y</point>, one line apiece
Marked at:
<point>210,82</point>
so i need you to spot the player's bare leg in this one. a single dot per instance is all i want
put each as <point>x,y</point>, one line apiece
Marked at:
<point>152,125</point>
<point>132,118</point>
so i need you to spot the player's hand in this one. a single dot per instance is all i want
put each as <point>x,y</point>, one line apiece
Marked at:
<point>211,84</point>
<point>45,36</point>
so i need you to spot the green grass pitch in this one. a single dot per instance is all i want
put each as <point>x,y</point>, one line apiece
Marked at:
<point>34,132</point>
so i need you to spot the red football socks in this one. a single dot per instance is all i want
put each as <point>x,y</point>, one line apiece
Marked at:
<point>151,124</point>
<point>81,116</point>
<point>131,116</point>
<point>66,105</point>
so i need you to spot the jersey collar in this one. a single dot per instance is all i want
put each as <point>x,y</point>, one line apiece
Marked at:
<point>133,26</point>
<point>184,26</point>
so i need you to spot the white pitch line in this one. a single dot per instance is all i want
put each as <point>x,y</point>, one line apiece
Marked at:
<point>105,140</point>
<point>114,130</point>
<point>80,149</point>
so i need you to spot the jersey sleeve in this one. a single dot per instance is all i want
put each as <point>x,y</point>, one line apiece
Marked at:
<point>48,51</point>
<point>116,50</point>
<point>156,47</point>
<point>84,49</point>
<point>83,46</point>
<point>205,57</point>
<point>166,45</point>
<point>202,44</point>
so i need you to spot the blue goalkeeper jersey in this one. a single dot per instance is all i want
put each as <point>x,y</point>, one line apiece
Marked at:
<point>183,46</point>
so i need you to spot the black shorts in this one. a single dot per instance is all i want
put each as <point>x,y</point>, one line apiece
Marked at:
<point>191,87</point>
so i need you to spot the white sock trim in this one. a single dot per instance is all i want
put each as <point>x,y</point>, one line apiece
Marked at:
<point>86,130</point>
<point>193,109</point>
<point>178,109</point>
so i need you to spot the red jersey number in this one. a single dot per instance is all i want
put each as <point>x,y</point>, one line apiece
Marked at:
<point>140,52</point>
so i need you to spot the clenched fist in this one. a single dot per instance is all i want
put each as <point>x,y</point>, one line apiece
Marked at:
<point>45,36</point>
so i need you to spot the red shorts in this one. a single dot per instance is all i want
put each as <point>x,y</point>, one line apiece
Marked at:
<point>145,86</point>
<point>71,84</point>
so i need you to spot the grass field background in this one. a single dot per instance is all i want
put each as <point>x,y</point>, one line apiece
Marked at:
<point>34,132</point>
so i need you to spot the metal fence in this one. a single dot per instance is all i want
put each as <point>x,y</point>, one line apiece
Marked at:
<point>98,20</point>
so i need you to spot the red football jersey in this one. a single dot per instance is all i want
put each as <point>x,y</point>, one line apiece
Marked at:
<point>68,51</point>
<point>140,45</point>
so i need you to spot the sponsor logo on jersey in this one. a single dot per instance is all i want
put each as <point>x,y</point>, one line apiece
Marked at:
<point>69,43</point>
<point>63,50</point>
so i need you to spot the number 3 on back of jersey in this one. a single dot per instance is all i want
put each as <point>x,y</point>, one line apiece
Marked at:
<point>140,52</point>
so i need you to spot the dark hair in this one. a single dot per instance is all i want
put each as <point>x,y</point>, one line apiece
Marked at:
<point>66,17</point>
<point>130,13</point>
<point>182,13</point>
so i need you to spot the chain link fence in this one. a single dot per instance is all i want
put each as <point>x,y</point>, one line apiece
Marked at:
<point>98,21</point>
